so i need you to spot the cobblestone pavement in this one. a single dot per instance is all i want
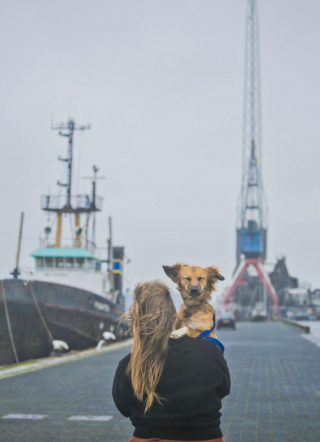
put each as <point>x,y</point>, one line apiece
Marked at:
<point>275,393</point>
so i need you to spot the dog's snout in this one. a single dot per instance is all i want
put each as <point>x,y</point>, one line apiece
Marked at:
<point>194,291</point>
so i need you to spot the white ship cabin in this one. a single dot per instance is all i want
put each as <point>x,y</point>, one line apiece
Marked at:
<point>71,259</point>
<point>74,267</point>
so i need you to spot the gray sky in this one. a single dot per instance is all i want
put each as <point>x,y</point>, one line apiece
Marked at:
<point>161,83</point>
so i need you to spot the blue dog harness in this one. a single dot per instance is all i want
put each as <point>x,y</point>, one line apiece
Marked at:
<point>209,338</point>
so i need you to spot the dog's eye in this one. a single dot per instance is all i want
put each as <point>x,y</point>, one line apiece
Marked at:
<point>199,279</point>
<point>188,279</point>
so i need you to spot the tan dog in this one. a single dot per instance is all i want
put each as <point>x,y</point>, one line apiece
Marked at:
<point>195,285</point>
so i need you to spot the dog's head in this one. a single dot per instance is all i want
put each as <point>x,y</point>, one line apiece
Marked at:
<point>195,283</point>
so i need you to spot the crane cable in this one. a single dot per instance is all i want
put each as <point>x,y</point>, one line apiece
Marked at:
<point>39,311</point>
<point>9,323</point>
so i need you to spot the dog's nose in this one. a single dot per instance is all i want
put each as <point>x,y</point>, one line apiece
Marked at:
<point>194,291</point>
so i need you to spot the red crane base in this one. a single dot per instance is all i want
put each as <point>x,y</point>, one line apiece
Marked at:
<point>263,276</point>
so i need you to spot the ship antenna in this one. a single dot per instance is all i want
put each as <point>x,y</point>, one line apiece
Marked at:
<point>94,178</point>
<point>71,126</point>
<point>15,271</point>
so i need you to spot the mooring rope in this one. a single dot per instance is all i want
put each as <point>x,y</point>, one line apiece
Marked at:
<point>8,322</point>
<point>39,311</point>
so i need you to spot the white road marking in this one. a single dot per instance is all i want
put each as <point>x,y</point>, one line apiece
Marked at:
<point>25,416</point>
<point>90,418</point>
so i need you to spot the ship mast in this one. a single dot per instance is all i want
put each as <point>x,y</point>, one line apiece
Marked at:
<point>71,127</point>
<point>69,204</point>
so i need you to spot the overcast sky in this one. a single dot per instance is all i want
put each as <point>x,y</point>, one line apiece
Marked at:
<point>161,83</point>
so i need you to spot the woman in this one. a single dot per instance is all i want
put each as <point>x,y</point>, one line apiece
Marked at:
<point>171,389</point>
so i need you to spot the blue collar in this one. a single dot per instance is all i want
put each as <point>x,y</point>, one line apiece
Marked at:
<point>205,334</point>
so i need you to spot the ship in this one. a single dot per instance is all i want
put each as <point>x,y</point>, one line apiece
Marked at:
<point>65,296</point>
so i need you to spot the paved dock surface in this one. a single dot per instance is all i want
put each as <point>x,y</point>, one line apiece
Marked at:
<point>314,335</point>
<point>275,393</point>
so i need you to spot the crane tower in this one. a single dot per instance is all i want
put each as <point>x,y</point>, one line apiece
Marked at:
<point>252,228</point>
<point>252,214</point>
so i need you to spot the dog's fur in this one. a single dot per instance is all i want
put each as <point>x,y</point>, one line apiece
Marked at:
<point>195,285</point>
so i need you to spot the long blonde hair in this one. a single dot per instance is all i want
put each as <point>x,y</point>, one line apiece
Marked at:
<point>152,315</point>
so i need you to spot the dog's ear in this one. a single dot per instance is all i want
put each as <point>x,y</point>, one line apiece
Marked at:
<point>213,275</point>
<point>172,271</point>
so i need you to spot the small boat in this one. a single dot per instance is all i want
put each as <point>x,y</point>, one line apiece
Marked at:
<point>66,296</point>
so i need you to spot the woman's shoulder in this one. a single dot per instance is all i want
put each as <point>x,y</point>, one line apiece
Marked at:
<point>185,340</point>
<point>121,371</point>
<point>201,346</point>
<point>122,366</point>
<point>124,362</point>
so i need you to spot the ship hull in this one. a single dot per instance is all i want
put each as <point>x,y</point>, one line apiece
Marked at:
<point>76,316</point>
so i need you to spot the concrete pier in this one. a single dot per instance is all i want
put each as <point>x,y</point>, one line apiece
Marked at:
<point>275,393</point>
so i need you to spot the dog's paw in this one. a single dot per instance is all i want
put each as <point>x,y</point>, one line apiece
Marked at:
<point>176,334</point>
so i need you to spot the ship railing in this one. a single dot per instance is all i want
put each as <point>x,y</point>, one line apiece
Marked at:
<point>65,243</point>
<point>78,203</point>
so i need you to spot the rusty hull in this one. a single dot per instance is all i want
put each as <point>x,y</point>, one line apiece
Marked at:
<point>75,316</point>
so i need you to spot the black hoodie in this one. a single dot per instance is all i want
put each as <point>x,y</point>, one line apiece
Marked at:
<point>194,380</point>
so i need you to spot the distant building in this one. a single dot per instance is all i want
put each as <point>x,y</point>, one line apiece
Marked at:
<point>282,281</point>
<point>298,297</point>
<point>315,298</point>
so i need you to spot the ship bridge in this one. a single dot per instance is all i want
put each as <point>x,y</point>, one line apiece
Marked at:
<point>66,258</point>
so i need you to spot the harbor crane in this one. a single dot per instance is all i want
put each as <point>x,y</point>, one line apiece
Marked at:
<point>251,248</point>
